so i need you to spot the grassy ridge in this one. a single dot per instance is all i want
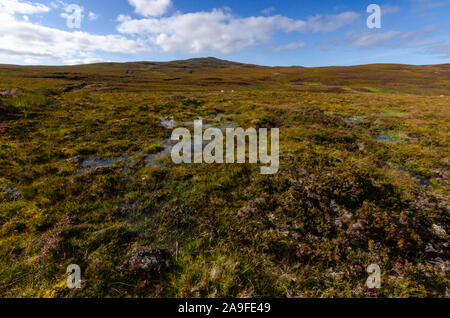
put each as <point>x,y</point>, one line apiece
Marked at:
<point>363,179</point>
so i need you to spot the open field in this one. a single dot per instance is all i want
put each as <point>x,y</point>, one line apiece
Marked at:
<point>363,179</point>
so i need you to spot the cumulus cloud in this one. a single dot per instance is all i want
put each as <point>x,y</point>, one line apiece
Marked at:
<point>15,6</point>
<point>219,31</point>
<point>151,8</point>
<point>216,31</point>
<point>20,38</point>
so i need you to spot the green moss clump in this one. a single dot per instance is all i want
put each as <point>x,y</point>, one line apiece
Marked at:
<point>154,149</point>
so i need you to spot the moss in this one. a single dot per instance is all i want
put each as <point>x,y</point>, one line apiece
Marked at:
<point>153,149</point>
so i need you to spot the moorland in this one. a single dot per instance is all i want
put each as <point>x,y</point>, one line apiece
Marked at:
<point>85,178</point>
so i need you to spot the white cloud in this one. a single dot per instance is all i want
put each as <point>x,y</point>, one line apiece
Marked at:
<point>396,39</point>
<point>14,6</point>
<point>31,42</point>
<point>92,16</point>
<point>31,61</point>
<point>86,60</point>
<point>24,39</point>
<point>219,31</point>
<point>371,40</point>
<point>422,41</point>
<point>151,8</point>
<point>440,48</point>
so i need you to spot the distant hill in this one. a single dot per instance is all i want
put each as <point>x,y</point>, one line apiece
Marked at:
<point>203,62</point>
<point>210,71</point>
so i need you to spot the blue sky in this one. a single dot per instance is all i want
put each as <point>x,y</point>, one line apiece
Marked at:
<point>307,33</point>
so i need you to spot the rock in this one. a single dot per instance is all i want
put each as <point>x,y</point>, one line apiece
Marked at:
<point>146,260</point>
<point>437,174</point>
<point>11,92</point>
<point>361,146</point>
<point>438,231</point>
<point>198,288</point>
<point>253,207</point>
<point>430,249</point>
<point>10,194</point>
<point>335,275</point>
<point>216,274</point>
<point>347,216</point>
<point>357,226</point>
<point>338,222</point>
<point>439,262</point>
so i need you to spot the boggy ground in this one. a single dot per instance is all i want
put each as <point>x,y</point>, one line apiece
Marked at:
<point>364,178</point>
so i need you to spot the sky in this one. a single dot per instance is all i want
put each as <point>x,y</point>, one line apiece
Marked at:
<point>264,32</point>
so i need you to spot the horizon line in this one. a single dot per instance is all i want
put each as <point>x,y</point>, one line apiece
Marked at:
<point>218,59</point>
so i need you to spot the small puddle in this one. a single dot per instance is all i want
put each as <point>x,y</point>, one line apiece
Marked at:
<point>391,136</point>
<point>207,122</point>
<point>191,123</point>
<point>385,138</point>
<point>354,119</point>
<point>230,125</point>
<point>422,181</point>
<point>168,123</point>
<point>95,162</point>
<point>153,159</point>
<point>218,117</point>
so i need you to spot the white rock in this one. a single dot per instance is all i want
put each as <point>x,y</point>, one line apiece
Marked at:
<point>216,274</point>
<point>438,231</point>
